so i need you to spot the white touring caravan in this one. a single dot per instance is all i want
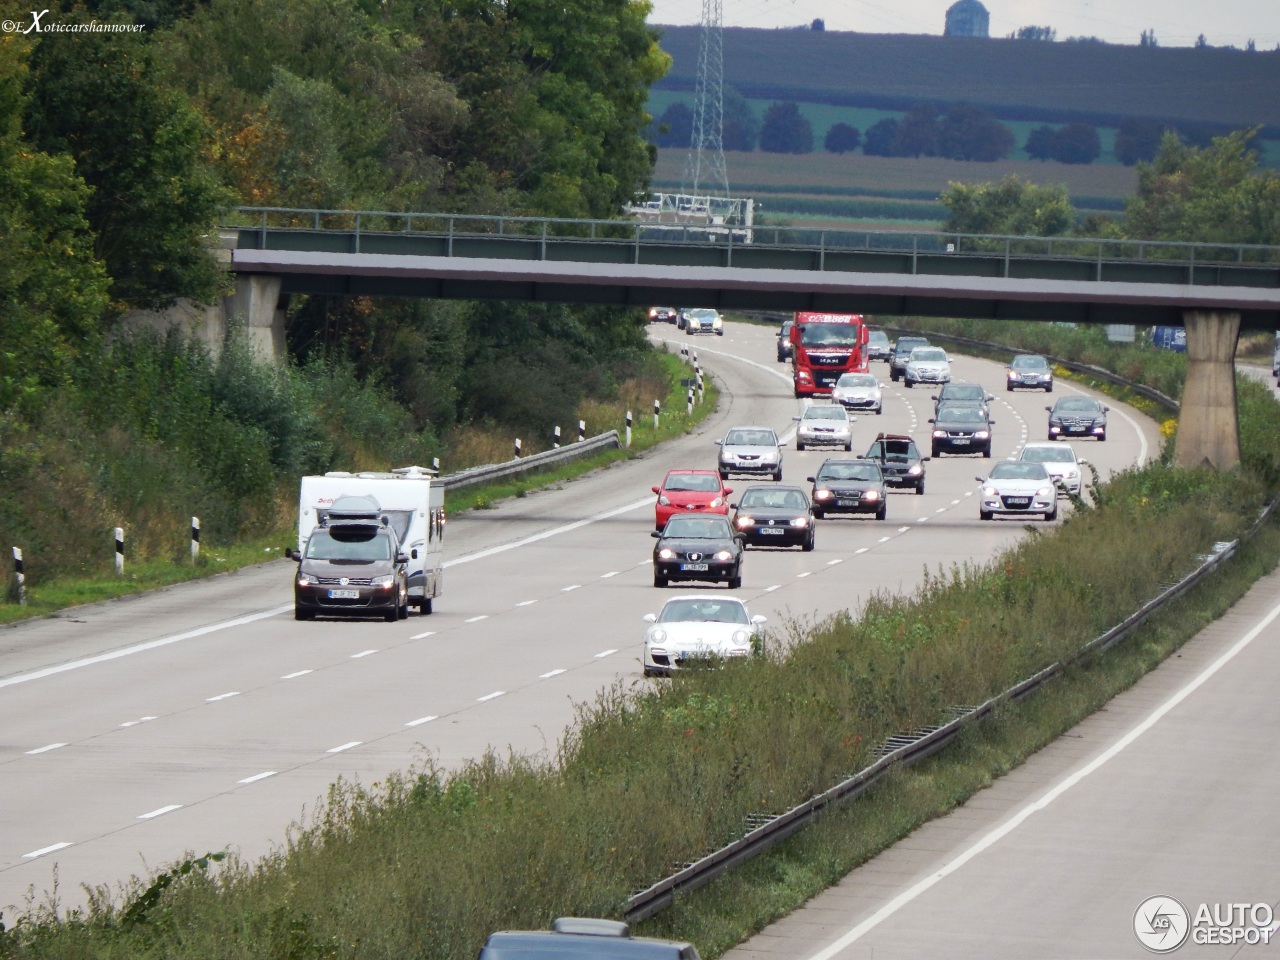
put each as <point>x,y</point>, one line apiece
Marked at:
<point>414,505</point>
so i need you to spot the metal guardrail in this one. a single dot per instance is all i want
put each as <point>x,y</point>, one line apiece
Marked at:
<point>535,461</point>
<point>544,233</point>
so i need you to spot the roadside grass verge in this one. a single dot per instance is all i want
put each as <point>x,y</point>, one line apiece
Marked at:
<point>164,556</point>
<point>747,900</point>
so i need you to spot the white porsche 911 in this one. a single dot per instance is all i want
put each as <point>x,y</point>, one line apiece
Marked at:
<point>692,627</point>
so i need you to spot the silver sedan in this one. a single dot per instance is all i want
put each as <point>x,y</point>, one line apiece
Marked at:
<point>824,425</point>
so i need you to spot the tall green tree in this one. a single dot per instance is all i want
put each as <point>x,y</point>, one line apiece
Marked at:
<point>918,132</point>
<point>966,132</point>
<point>741,130</point>
<point>879,139</point>
<point>842,138</point>
<point>1012,207</point>
<point>785,129</point>
<point>139,145</point>
<point>1076,143</point>
<point>675,126</point>
<point>53,291</point>
<point>1215,193</point>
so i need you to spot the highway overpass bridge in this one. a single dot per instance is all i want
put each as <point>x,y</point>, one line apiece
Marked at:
<point>1214,290</point>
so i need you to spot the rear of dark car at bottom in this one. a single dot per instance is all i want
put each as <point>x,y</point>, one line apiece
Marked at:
<point>582,938</point>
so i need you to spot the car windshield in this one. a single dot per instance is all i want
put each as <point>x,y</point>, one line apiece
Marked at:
<point>707,611</point>
<point>877,336</point>
<point>963,391</point>
<point>826,412</point>
<point>1048,455</point>
<point>698,528</point>
<point>700,482</point>
<point>1079,403</point>
<point>1019,470</point>
<point>701,313</point>
<point>907,344</point>
<point>929,354</point>
<point>857,380</point>
<point>829,334</point>
<point>356,543</point>
<point>1029,363</point>
<point>849,471</point>
<point>962,415</point>
<point>774,498</point>
<point>893,449</point>
<point>750,438</point>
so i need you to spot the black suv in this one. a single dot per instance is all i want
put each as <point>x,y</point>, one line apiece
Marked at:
<point>902,353</point>
<point>962,428</point>
<point>784,341</point>
<point>899,460</point>
<point>352,564</point>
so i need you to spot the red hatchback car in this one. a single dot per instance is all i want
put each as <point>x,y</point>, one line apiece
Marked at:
<point>690,491</point>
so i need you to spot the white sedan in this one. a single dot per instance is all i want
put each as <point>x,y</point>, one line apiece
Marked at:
<point>858,391</point>
<point>1015,488</point>
<point>698,626</point>
<point>824,425</point>
<point>1060,460</point>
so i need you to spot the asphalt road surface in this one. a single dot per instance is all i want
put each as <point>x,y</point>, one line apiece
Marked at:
<point>203,716</point>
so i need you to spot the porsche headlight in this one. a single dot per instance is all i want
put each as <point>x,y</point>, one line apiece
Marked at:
<point>657,635</point>
<point>741,636</point>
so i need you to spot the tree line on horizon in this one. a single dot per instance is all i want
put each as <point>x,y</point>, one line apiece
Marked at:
<point>958,131</point>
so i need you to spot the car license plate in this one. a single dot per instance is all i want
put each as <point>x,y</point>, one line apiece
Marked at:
<point>344,594</point>
<point>772,531</point>
<point>1018,501</point>
<point>846,503</point>
<point>961,441</point>
<point>693,567</point>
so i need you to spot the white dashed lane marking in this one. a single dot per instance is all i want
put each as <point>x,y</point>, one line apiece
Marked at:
<point>258,776</point>
<point>43,850</point>
<point>160,812</point>
<point>345,746</point>
<point>420,721</point>
<point>491,696</point>
<point>45,749</point>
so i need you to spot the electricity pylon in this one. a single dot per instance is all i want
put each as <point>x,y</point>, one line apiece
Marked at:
<point>704,171</point>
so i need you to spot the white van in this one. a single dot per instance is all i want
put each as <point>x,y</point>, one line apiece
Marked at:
<point>412,502</point>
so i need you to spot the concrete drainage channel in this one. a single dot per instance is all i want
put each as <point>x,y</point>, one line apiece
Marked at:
<point>763,831</point>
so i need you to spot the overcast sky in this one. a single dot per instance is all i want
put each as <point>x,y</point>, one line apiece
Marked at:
<point>1176,22</point>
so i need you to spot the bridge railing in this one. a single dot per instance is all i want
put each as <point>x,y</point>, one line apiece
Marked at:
<point>548,231</point>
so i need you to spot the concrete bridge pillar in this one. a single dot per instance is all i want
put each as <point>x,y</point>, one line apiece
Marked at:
<point>1208,431</point>
<point>256,306</point>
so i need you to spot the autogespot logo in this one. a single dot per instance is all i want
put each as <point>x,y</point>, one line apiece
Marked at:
<point>1161,924</point>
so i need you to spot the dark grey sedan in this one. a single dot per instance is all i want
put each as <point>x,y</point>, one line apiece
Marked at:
<point>774,517</point>
<point>697,548</point>
<point>849,486</point>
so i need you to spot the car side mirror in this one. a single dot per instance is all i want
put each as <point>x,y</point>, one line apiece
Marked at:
<point>759,618</point>
<point>291,554</point>
<point>1105,409</point>
<point>925,459</point>
<point>650,618</point>
<point>1049,409</point>
<point>931,420</point>
<point>719,443</point>
<point>1083,462</point>
<point>795,418</point>
<point>654,489</point>
<point>734,506</point>
<point>991,423</point>
<point>728,490</point>
<point>402,558</point>
<point>656,534</point>
<point>981,479</point>
<point>811,480</point>
<point>990,398</point>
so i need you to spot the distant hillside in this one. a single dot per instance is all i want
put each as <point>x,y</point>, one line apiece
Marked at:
<point>1016,79</point>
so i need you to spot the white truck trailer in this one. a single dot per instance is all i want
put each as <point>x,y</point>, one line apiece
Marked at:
<point>412,501</point>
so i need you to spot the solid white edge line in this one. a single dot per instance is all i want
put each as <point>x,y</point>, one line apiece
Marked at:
<point>161,812</point>
<point>43,850</point>
<point>258,776</point>
<point>898,902</point>
<point>141,647</point>
<point>345,746</point>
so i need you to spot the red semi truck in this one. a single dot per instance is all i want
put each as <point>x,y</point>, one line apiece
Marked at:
<point>824,346</point>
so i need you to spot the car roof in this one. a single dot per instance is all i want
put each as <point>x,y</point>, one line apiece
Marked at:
<point>548,944</point>
<point>892,436</point>
<point>684,470</point>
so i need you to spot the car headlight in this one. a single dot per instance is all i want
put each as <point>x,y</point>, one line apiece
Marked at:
<point>990,492</point>
<point>823,494</point>
<point>718,502</point>
<point>915,470</point>
<point>940,434</point>
<point>666,553</point>
<point>1012,375</point>
<point>770,457</point>
<point>384,583</point>
<point>741,636</point>
<point>307,580</point>
<point>870,494</point>
<point>1071,474</point>
<point>662,499</point>
<point>1044,491</point>
<point>657,635</point>
<point>981,435</point>
<point>724,555</point>
<point>745,522</point>
<point>800,522</point>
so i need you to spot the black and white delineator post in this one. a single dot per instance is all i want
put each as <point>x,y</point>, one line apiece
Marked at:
<point>195,539</point>
<point>19,578</point>
<point>119,551</point>
<point>689,399</point>
<point>555,438</point>
<point>582,430</point>
<point>628,429</point>
<point>435,464</point>
<point>517,448</point>
<point>657,411</point>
